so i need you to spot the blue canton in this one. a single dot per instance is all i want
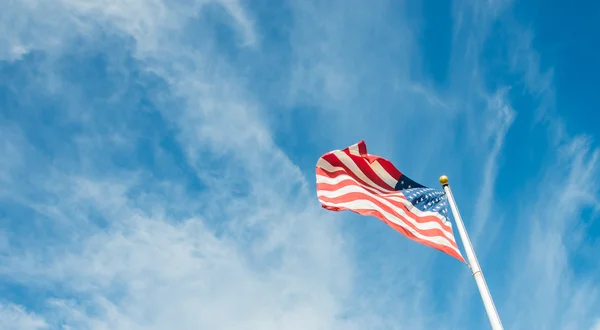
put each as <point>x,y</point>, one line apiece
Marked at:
<point>424,198</point>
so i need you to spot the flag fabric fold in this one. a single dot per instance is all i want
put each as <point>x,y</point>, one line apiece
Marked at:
<point>351,179</point>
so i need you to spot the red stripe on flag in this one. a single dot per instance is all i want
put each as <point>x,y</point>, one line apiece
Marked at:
<point>386,164</point>
<point>363,166</point>
<point>362,147</point>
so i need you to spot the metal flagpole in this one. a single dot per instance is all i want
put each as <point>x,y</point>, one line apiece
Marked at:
<point>486,296</point>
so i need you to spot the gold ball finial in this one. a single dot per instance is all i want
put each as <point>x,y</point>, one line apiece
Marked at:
<point>444,180</point>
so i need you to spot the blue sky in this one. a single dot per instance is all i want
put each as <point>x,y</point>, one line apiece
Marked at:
<point>158,161</point>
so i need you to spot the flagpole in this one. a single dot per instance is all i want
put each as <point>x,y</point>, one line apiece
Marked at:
<point>486,296</point>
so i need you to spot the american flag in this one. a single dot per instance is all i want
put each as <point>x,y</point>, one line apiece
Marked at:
<point>351,179</point>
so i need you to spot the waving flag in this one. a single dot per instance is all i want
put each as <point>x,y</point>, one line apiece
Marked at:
<point>353,180</point>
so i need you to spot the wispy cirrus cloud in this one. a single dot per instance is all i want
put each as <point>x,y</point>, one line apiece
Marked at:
<point>110,209</point>
<point>546,244</point>
<point>14,317</point>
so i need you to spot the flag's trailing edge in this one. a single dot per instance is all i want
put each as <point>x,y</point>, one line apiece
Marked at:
<point>351,179</point>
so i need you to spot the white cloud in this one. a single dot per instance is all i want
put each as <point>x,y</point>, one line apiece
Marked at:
<point>46,25</point>
<point>148,269</point>
<point>498,128</point>
<point>13,317</point>
<point>10,140</point>
<point>542,274</point>
<point>555,294</point>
